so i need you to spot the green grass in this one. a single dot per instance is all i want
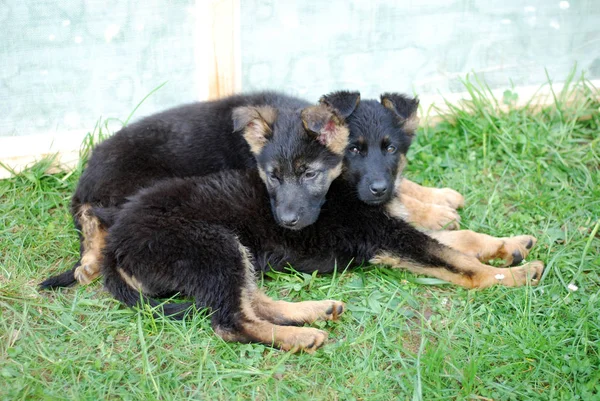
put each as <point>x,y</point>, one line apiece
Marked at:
<point>522,172</point>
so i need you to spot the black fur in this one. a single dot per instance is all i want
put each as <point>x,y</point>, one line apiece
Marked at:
<point>64,279</point>
<point>184,234</point>
<point>191,140</point>
<point>377,141</point>
<point>403,105</point>
<point>200,139</point>
<point>343,101</point>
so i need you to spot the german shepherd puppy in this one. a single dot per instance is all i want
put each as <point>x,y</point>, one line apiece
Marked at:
<point>206,237</point>
<point>199,139</point>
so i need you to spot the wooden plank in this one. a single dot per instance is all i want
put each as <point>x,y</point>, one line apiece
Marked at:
<point>18,152</point>
<point>223,48</point>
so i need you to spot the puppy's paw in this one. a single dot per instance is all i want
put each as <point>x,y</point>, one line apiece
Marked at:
<point>516,249</point>
<point>86,273</point>
<point>437,217</point>
<point>529,273</point>
<point>448,197</point>
<point>304,339</point>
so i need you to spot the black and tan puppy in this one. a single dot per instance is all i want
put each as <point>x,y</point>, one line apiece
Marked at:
<point>206,237</point>
<point>199,139</point>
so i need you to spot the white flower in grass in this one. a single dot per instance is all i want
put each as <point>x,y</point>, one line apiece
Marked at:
<point>499,276</point>
<point>572,287</point>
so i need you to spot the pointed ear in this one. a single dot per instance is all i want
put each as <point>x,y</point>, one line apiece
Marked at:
<point>327,127</point>
<point>257,123</point>
<point>345,102</point>
<point>405,108</point>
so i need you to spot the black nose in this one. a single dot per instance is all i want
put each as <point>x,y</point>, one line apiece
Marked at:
<point>378,188</point>
<point>289,219</point>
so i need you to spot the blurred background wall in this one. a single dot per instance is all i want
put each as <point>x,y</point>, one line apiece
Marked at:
<point>423,46</point>
<point>66,63</point>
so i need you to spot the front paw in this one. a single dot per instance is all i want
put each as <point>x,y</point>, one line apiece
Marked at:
<point>437,217</point>
<point>515,249</point>
<point>448,197</point>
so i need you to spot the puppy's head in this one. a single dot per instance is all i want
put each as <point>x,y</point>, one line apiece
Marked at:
<point>380,135</point>
<point>299,153</point>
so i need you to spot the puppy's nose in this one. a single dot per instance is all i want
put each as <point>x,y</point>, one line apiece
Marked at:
<point>289,219</point>
<point>378,188</point>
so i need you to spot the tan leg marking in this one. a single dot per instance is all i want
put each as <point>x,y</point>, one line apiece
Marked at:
<point>467,271</point>
<point>93,242</point>
<point>426,215</point>
<point>440,196</point>
<point>295,313</point>
<point>511,250</point>
<point>255,328</point>
<point>130,280</point>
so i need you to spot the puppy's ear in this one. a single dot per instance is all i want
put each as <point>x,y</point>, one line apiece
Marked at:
<point>345,102</point>
<point>257,123</point>
<point>326,126</point>
<point>405,108</point>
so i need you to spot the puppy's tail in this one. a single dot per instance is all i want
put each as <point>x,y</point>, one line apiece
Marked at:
<point>122,291</point>
<point>65,279</point>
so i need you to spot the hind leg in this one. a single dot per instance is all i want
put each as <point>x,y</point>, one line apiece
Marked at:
<point>93,237</point>
<point>512,250</point>
<point>466,271</point>
<point>421,254</point>
<point>265,320</point>
<point>254,327</point>
<point>213,267</point>
<point>295,313</point>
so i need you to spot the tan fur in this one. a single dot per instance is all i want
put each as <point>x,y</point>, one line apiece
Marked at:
<point>336,140</point>
<point>131,281</point>
<point>425,215</point>
<point>257,121</point>
<point>339,140</point>
<point>94,237</point>
<point>256,305</point>
<point>334,173</point>
<point>428,208</point>
<point>397,209</point>
<point>250,272</point>
<point>391,260</point>
<point>388,104</point>
<point>401,166</point>
<point>471,272</point>
<point>262,175</point>
<point>409,124</point>
<point>438,196</point>
<point>295,312</point>
<point>288,338</point>
<point>485,247</point>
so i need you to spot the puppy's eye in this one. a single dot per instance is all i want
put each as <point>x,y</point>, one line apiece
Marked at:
<point>310,174</point>
<point>354,149</point>
<point>391,149</point>
<point>273,176</point>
